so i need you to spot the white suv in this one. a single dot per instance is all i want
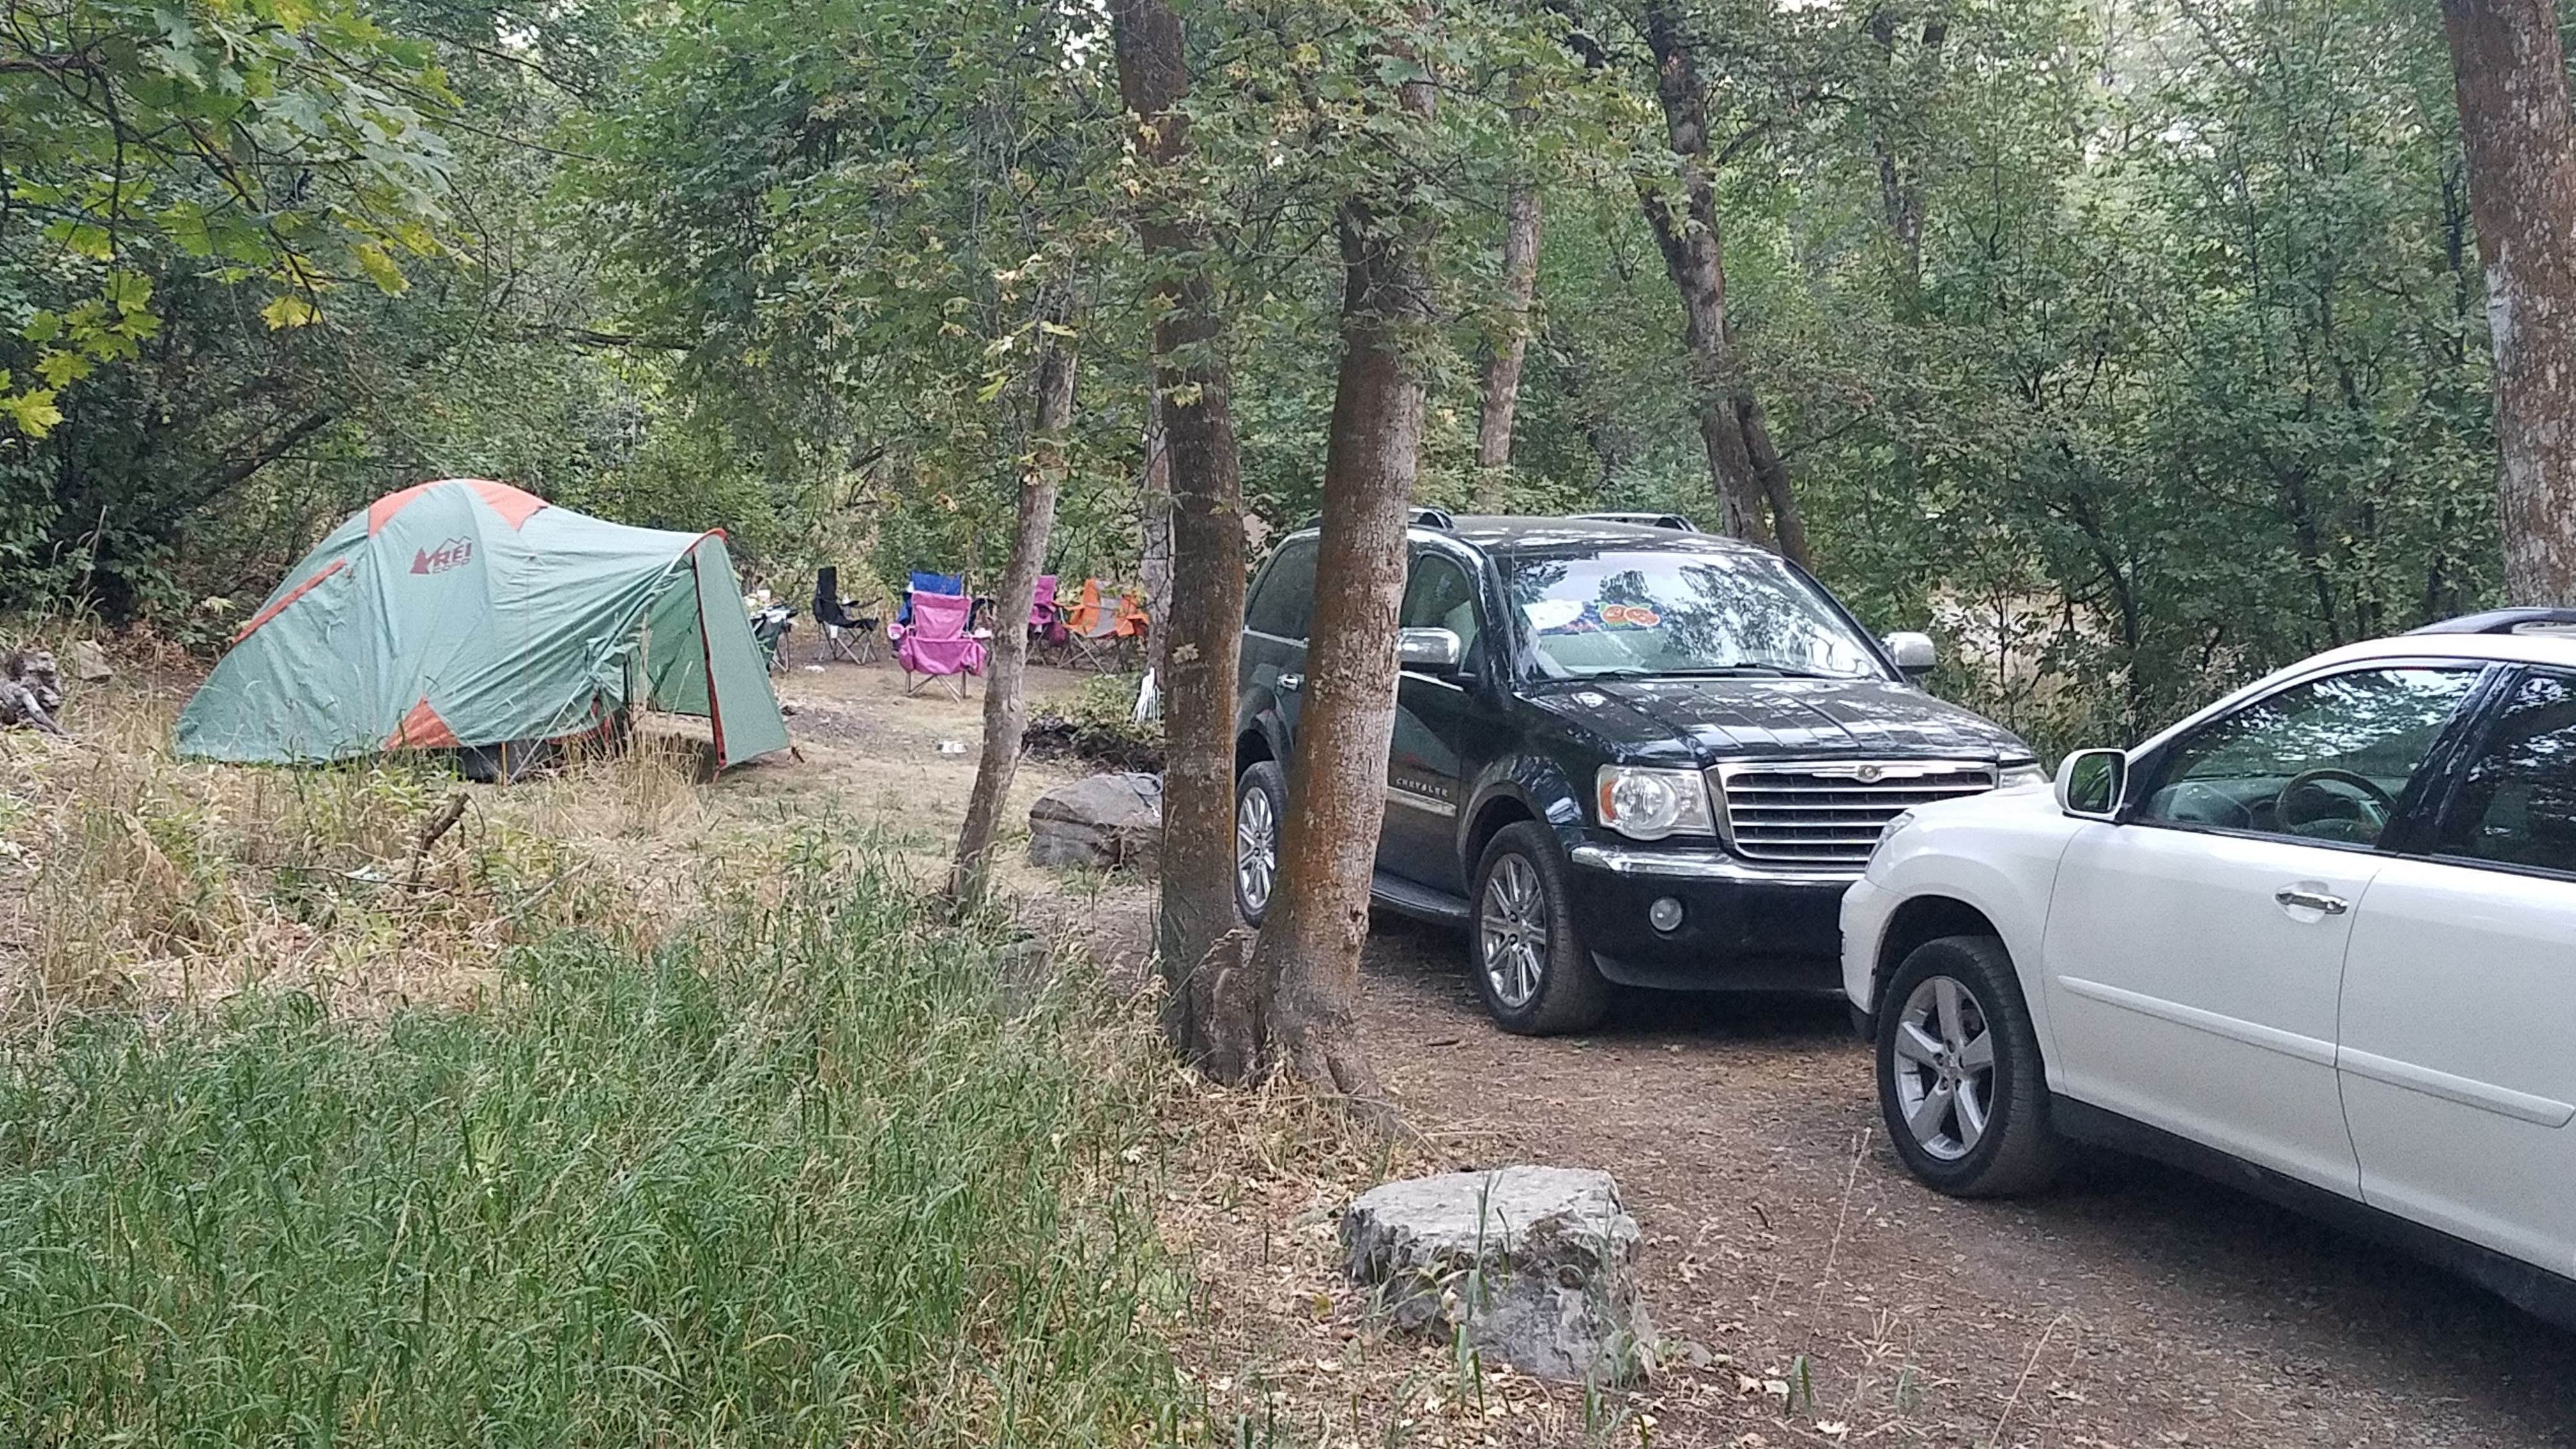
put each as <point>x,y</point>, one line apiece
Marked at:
<point>2318,939</point>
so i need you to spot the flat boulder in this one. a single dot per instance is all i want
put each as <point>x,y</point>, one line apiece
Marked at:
<point>1536,1264</point>
<point>1103,821</point>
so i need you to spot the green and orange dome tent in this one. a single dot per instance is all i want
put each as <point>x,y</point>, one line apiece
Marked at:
<point>467,613</point>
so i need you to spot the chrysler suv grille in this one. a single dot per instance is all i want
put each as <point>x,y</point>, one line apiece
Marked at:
<point>1828,812</point>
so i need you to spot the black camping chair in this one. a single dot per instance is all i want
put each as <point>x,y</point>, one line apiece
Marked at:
<point>851,636</point>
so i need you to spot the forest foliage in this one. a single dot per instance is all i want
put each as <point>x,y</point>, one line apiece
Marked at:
<point>2135,346</point>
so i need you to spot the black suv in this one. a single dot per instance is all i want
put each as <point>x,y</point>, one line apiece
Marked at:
<point>1622,753</point>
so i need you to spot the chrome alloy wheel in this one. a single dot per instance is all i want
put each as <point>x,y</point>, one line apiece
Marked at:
<point>1256,849</point>
<point>1945,1067</point>
<point>1512,931</point>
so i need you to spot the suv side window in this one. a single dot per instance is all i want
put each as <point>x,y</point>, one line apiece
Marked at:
<point>1442,595</point>
<point>2517,800</point>
<point>1286,603</point>
<point>2323,761</point>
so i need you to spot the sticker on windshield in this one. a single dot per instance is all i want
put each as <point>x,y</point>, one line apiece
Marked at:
<point>1629,616</point>
<point>1549,616</point>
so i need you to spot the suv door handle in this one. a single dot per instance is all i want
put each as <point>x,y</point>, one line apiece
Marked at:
<point>1291,683</point>
<point>2298,899</point>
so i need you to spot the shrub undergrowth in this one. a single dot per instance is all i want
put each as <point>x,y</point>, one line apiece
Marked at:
<point>811,1172</point>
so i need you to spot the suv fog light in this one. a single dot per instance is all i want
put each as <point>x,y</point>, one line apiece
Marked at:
<point>1665,914</point>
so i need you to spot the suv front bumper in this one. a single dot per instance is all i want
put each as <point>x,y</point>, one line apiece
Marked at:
<point>1743,926</point>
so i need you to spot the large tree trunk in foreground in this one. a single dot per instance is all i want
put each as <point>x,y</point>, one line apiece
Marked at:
<point>1688,236</point>
<point>2521,148</point>
<point>1502,374</point>
<point>1308,956</point>
<point>1201,1014</point>
<point>1006,712</point>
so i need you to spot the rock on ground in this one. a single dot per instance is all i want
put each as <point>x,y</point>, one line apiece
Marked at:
<point>1537,1263</point>
<point>1102,821</point>
<point>89,663</point>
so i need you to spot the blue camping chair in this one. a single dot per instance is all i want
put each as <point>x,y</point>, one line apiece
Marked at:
<point>928,583</point>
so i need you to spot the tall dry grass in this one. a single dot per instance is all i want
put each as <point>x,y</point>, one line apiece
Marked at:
<point>130,879</point>
<point>815,1171</point>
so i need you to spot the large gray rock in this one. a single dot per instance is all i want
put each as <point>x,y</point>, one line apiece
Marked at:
<point>89,663</point>
<point>1538,1264</point>
<point>1099,822</point>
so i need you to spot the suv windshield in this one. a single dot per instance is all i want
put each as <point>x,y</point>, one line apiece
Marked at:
<point>1683,613</point>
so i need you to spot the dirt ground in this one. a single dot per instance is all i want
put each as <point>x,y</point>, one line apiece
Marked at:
<point>1808,1291</point>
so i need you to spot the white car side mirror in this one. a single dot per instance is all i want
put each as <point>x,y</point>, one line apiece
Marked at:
<point>2091,784</point>
<point>1913,651</point>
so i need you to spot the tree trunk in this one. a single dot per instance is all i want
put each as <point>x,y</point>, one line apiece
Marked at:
<point>1154,532</point>
<point>1006,714</point>
<point>2521,149</point>
<point>1502,380</point>
<point>1900,184</point>
<point>1308,955</point>
<point>1202,633</point>
<point>1693,257</point>
<point>1788,525</point>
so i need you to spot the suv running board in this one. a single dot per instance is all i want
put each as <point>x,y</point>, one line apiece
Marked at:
<point>1421,902</point>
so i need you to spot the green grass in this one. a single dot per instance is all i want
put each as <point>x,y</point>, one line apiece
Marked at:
<point>809,1176</point>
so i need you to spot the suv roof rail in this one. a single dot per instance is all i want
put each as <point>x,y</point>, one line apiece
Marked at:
<point>1423,516</point>
<point>1678,522</point>
<point>2505,621</point>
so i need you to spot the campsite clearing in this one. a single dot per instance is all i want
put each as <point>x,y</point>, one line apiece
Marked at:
<point>1812,1294</point>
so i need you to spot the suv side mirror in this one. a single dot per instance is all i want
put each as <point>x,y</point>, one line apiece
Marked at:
<point>1433,651</point>
<point>1912,651</point>
<point>2091,784</point>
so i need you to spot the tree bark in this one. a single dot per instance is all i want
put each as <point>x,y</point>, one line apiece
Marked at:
<point>1788,525</point>
<point>1693,257</point>
<point>1502,379</point>
<point>2521,147</point>
<point>1006,714</point>
<point>1308,954</point>
<point>1190,372</point>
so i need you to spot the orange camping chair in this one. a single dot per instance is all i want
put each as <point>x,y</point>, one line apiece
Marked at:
<point>1094,628</point>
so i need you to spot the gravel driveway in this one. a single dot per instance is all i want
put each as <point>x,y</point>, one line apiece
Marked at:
<point>2130,1305</point>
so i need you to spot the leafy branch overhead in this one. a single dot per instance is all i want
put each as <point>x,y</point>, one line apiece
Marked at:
<point>292,145</point>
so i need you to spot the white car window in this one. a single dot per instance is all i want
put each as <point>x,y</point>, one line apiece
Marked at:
<point>2325,760</point>
<point>2517,800</point>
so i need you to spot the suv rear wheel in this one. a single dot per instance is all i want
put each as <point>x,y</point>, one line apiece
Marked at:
<point>1959,1076</point>
<point>1532,968</point>
<point>1260,803</point>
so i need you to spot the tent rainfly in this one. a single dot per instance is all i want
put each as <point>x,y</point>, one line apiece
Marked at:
<point>468,613</point>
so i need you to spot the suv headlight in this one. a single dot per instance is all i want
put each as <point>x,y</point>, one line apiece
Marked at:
<point>1887,832</point>
<point>1647,804</point>
<point>2019,772</point>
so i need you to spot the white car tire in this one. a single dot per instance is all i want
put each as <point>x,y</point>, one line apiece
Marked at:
<point>1959,1075</point>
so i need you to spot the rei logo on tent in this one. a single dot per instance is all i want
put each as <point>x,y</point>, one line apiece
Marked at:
<point>454,553</point>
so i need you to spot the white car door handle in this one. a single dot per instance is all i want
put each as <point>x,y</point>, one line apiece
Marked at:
<point>2298,899</point>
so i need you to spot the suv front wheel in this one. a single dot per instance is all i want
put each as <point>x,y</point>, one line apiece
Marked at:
<point>1532,968</point>
<point>1959,1076</point>
<point>1260,804</point>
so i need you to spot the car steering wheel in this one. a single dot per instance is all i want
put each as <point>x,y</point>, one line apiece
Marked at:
<point>2374,799</point>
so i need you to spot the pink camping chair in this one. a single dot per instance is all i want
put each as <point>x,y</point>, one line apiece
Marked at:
<point>936,645</point>
<point>1046,616</point>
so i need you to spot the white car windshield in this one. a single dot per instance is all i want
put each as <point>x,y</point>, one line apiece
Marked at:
<point>1610,614</point>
